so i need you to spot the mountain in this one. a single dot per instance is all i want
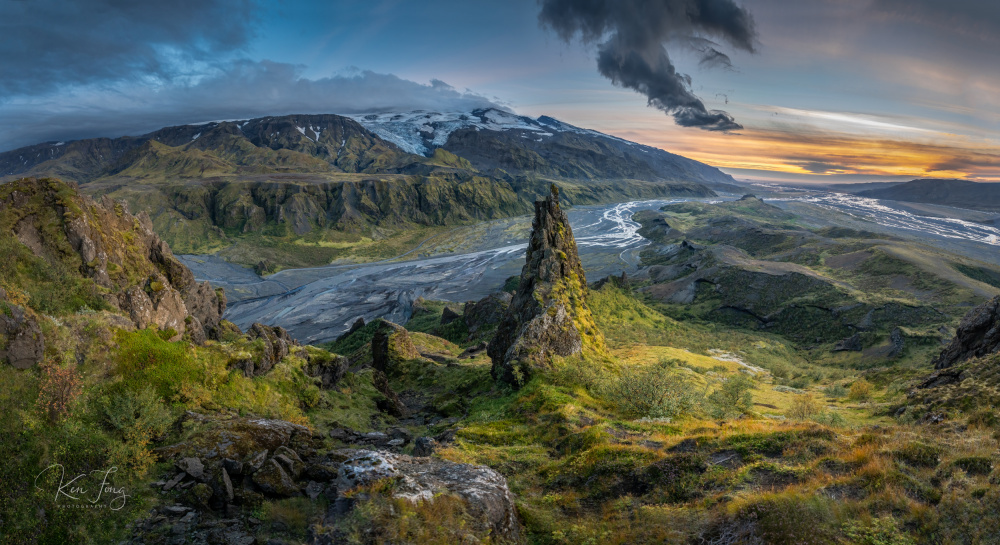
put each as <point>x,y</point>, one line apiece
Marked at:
<point>493,140</point>
<point>304,190</point>
<point>957,193</point>
<point>366,144</point>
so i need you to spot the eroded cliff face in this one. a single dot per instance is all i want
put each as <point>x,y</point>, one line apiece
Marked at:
<point>548,315</point>
<point>129,267</point>
<point>977,335</point>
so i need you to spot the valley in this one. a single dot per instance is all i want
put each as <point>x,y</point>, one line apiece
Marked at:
<point>318,304</point>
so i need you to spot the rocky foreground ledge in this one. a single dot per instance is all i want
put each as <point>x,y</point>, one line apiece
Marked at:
<point>231,465</point>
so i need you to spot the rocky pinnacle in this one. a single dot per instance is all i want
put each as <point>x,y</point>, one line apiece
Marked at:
<point>548,315</point>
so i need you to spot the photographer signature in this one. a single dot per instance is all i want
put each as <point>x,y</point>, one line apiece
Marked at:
<point>80,488</point>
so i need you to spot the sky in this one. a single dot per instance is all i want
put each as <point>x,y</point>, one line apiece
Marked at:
<point>804,90</point>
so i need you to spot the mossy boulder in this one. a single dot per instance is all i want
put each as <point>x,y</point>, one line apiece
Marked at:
<point>274,480</point>
<point>237,438</point>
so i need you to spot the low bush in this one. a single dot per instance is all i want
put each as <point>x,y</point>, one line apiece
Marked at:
<point>804,407</point>
<point>861,390</point>
<point>732,398</point>
<point>650,391</point>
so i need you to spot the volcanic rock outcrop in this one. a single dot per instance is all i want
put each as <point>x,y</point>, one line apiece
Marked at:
<point>978,334</point>
<point>548,315</point>
<point>132,270</point>
<point>22,343</point>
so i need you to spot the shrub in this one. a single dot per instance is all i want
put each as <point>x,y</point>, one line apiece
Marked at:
<point>835,391</point>
<point>804,407</point>
<point>861,390</point>
<point>137,417</point>
<point>733,397</point>
<point>829,418</point>
<point>60,386</point>
<point>650,391</point>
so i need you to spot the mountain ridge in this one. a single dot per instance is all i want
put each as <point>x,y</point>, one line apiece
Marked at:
<point>948,192</point>
<point>363,143</point>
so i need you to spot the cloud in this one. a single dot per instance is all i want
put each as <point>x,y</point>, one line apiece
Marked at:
<point>52,44</point>
<point>242,90</point>
<point>632,37</point>
<point>977,19</point>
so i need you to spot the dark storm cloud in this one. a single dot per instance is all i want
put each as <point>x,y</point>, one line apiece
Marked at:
<point>632,37</point>
<point>48,44</point>
<point>242,90</point>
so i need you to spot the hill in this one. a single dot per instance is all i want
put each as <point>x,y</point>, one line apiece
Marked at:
<point>957,193</point>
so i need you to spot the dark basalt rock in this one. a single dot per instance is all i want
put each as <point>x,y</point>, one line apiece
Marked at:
<point>390,402</point>
<point>448,316</point>
<point>850,344</point>
<point>358,324</point>
<point>329,371</point>
<point>896,342</point>
<point>978,334</point>
<point>549,310</point>
<point>274,480</point>
<point>484,315</point>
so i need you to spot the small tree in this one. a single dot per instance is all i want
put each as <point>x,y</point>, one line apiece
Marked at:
<point>804,407</point>
<point>138,417</point>
<point>732,398</point>
<point>60,386</point>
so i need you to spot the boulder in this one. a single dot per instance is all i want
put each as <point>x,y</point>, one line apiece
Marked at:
<point>489,501</point>
<point>548,316</point>
<point>978,334</point>
<point>192,466</point>
<point>483,316</point>
<point>274,480</point>
<point>424,446</point>
<point>239,439</point>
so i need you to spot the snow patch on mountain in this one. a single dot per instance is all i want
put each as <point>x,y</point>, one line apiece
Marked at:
<point>422,131</point>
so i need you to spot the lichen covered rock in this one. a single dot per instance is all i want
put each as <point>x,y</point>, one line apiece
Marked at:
<point>489,501</point>
<point>236,438</point>
<point>276,344</point>
<point>548,316</point>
